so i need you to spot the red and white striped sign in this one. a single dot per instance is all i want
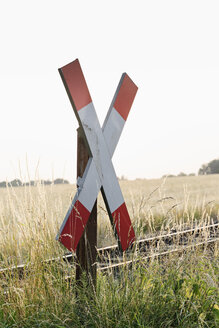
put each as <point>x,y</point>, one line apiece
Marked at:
<point>99,173</point>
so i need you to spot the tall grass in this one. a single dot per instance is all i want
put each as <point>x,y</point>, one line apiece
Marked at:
<point>180,292</point>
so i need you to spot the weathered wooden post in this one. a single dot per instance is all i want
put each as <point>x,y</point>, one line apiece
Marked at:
<point>95,170</point>
<point>86,251</point>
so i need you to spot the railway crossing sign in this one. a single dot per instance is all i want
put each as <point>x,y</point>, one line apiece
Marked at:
<point>99,173</point>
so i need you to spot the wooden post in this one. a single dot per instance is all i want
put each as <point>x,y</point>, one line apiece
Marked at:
<point>87,247</point>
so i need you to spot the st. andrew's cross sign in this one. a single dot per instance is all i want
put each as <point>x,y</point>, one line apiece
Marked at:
<point>99,173</point>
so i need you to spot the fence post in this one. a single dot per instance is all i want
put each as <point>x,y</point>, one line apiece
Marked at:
<point>87,247</point>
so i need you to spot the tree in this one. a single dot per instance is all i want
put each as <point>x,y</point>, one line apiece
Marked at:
<point>3,184</point>
<point>181,174</point>
<point>210,168</point>
<point>15,183</point>
<point>60,181</point>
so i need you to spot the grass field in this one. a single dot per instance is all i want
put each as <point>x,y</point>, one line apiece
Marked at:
<point>178,293</point>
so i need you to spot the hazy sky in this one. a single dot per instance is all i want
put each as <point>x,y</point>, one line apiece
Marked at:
<point>169,48</point>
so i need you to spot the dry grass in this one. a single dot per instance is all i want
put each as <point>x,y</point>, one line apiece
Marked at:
<point>31,216</point>
<point>176,293</point>
<point>163,204</point>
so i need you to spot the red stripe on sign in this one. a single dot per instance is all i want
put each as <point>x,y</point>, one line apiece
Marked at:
<point>74,226</point>
<point>123,226</point>
<point>125,97</point>
<point>76,85</point>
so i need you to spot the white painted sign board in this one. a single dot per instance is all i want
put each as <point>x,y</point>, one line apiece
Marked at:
<point>99,173</point>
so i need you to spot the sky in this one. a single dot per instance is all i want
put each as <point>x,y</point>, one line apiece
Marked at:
<point>170,49</point>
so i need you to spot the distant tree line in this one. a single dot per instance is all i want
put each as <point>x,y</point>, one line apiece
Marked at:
<point>19,183</point>
<point>181,174</point>
<point>210,168</point>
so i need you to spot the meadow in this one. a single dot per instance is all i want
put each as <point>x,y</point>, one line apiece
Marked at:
<point>178,293</point>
